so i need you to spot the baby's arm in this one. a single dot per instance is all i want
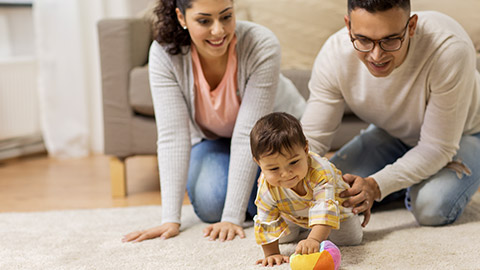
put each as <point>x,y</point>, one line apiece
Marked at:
<point>267,220</point>
<point>272,255</point>
<point>318,234</point>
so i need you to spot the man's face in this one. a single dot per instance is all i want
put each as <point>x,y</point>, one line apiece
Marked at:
<point>376,26</point>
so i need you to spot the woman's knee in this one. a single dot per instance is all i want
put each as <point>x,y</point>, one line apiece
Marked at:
<point>208,206</point>
<point>207,184</point>
<point>207,196</point>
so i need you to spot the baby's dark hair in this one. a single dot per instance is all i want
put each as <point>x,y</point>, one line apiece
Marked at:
<point>373,6</point>
<point>274,133</point>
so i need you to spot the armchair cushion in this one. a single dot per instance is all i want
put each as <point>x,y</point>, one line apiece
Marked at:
<point>139,91</point>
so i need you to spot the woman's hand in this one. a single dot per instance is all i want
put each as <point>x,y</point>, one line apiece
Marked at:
<point>223,231</point>
<point>163,231</point>
<point>362,193</point>
<point>275,259</point>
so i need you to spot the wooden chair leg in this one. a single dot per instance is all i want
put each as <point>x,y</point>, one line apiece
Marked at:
<point>118,177</point>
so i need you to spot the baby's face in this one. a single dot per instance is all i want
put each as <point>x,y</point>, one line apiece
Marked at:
<point>286,168</point>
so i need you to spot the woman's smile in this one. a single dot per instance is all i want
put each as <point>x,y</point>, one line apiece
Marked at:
<point>216,42</point>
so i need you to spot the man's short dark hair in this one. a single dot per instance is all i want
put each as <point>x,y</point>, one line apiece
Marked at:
<point>373,6</point>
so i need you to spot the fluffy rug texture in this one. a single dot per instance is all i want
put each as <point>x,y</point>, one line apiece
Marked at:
<point>91,239</point>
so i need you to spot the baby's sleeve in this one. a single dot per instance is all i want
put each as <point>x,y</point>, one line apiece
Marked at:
<point>325,207</point>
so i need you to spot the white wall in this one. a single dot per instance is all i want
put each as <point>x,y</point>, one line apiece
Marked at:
<point>16,32</point>
<point>61,35</point>
<point>18,97</point>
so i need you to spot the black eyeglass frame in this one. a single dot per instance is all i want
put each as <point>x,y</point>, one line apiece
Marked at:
<point>380,41</point>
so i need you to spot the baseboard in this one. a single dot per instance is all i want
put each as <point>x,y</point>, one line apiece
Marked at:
<point>21,146</point>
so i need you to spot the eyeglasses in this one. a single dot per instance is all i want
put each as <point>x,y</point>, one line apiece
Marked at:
<point>365,44</point>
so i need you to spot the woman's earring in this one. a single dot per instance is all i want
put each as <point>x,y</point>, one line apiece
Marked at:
<point>184,27</point>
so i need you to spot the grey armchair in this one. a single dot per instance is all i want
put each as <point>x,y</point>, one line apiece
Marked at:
<point>124,45</point>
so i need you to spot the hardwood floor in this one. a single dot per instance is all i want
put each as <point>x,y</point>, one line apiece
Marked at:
<point>40,183</point>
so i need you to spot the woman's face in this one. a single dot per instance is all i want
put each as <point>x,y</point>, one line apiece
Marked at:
<point>211,24</point>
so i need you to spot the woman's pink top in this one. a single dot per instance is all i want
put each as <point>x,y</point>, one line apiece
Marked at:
<point>217,109</point>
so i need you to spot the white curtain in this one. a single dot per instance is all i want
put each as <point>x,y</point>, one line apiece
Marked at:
<point>69,71</point>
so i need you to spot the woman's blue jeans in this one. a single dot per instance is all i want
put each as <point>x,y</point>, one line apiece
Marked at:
<point>436,201</point>
<point>208,179</point>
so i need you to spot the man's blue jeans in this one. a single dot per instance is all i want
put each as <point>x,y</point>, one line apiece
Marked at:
<point>438,200</point>
<point>208,179</point>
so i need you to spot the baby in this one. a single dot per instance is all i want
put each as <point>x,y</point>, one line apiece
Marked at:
<point>298,192</point>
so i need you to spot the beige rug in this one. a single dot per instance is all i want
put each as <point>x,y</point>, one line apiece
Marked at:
<point>90,239</point>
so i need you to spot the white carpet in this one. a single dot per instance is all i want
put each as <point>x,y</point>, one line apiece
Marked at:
<point>91,239</point>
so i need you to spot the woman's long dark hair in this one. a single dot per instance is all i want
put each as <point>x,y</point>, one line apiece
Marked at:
<point>168,30</point>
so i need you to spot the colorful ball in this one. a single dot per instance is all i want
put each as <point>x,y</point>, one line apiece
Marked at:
<point>328,258</point>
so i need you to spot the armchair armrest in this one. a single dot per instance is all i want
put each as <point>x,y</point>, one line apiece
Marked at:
<point>124,44</point>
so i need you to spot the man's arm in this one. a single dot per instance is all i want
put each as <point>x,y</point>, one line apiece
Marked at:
<point>450,90</point>
<point>325,106</point>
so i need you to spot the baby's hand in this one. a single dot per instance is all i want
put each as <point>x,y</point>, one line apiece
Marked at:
<point>307,246</point>
<point>275,259</point>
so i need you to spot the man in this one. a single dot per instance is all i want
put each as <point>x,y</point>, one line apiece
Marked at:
<point>413,78</point>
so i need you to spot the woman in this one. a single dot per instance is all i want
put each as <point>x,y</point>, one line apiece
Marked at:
<point>211,78</point>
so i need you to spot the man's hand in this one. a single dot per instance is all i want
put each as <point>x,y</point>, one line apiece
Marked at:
<point>275,259</point>
<point>223,231</point>
<point>362,193</point>
<point>164,231</point>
